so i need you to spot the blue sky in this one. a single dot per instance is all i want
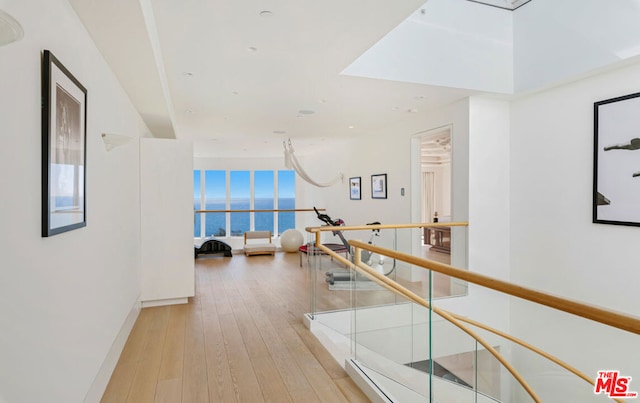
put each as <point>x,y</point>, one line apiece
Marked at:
<point>215,184</point>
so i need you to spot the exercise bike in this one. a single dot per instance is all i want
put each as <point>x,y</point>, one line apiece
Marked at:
<point>375,261</point>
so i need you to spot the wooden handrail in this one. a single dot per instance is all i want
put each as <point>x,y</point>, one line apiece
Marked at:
<point>297,210</point>
<point>398,289</point>
<point>601,315</point>
<point>604,316</point>
<point>530,347</point>
<point>452,317</point>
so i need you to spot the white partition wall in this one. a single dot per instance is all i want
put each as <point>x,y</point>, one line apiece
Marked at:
<point>166,176</point>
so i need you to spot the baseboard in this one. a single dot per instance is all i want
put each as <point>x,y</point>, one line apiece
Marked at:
<point>163,302</point>
<point>306,320</point>
<point>103,376</point>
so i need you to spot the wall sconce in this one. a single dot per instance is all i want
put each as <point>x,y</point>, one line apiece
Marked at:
<point>10,29</point>
<point>112,141</point>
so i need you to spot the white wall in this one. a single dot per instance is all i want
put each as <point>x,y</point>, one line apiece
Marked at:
<point>389,150</point>
<point>64,299</point>
<point>479,172</point>
<point>578,36</point>
<point>554,245</point>
<point>488,247</point>
<point>167,220</point>
<point>489,186</point>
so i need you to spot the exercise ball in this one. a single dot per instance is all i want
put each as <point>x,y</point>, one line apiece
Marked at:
<point>291,240</point>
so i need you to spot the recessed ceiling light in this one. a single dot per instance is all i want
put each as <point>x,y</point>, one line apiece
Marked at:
<point>266,13</point>
<point>412,110</point>
<point>306,112</point>
<point>323,101</point>
<point>279,132</point>
<point>190,111</point>
<point>351,127</point>
<point>395,108</point>
<point>188,74</point>
<point>420,97</point>
<point>235,92</point>
<point>252,49</point>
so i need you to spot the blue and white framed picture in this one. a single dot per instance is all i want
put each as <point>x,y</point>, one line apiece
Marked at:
<point>64,135</point>
<point>355,188</point>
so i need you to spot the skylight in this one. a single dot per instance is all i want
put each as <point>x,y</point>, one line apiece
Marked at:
<point>505,4</point>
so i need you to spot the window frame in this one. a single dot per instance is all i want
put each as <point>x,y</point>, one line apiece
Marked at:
<point>252,194</point>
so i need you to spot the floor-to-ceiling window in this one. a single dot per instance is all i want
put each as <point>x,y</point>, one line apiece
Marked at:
<point>197,202</point>
<point>247,191</point>
<point>263,192</point>
<point>215,193</point>
<point>240,199</point>
<point>286,200</point>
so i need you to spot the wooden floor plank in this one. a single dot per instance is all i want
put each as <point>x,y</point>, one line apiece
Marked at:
<point>195,386</point>
<point>173,354</point>
<point>271,383</point>
<point>321,382</point>
<point>239,339</point>
<point>351,391</point>
<point>169,391</point>
<point>221,386</point>
<point>243,376</point>
<point>333,369</point>
<point>295,381</point>
<point>120,383</point>
<point>145,380</point>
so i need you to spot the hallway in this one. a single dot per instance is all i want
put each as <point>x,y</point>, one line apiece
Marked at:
<point>241,338</point>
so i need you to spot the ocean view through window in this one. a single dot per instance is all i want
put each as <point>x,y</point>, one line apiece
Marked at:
<point>243,190</point>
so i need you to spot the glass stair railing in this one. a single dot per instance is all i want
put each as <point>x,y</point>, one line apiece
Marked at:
<point>400,331</point>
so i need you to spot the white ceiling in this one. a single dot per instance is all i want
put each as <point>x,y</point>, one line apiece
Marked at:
<point>435,148</point>
<point>239,77</point>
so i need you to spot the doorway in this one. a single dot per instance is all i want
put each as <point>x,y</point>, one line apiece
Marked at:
<point>432,157</point>
<point>435,170</point>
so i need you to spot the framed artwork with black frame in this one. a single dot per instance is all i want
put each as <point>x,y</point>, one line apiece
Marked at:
<point>379,186</point>
<point>616,161</point>
<point>64,135</point>
<point>355,188</point>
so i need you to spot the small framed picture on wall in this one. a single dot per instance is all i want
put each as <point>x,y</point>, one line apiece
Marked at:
<point>379,186</point>
<point>354,188</point>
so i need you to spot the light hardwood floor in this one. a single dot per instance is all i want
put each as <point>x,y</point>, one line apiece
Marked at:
<point>241,338</point>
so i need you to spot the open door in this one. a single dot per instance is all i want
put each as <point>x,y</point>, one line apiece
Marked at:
<point>432,187</point>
